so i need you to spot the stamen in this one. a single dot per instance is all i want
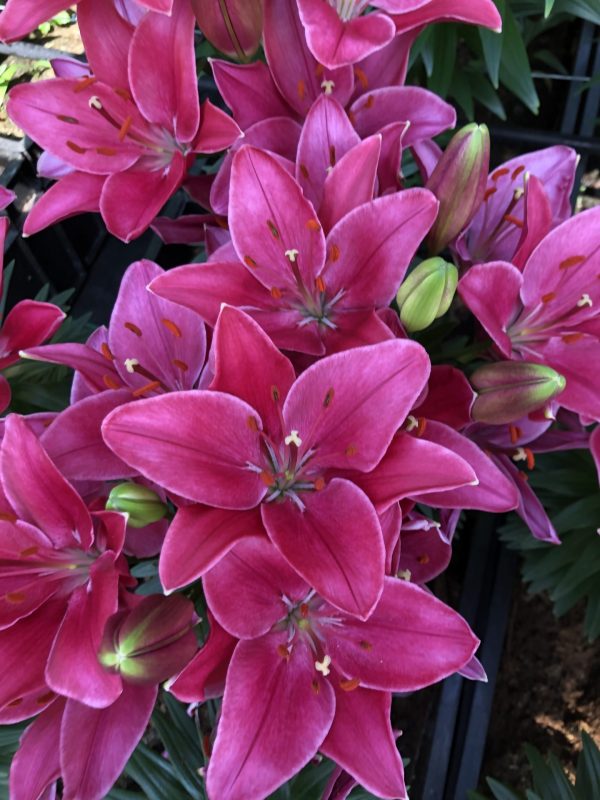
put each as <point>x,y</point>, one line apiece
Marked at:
<point>276,293</point>
<point>488,193</point>
<point>15,597</point>
<point>106,151</point>
<point>124,94</point>
<point>571,338</point>
<point>267,478</point>
<point>250,262</point>
<point>272,228</point>
<point>301,88</point>
<point>370,102</point>
<point>76,148</point>
<point>313,225</point>
<point>351,450</point>
<point>293,438</point>
<point>304,170</point>
<point>124,129</point>
<point>362,77</point>
<point>148,387</point>
<point>275,394</point>
<point>65,118</point>
<point>319,484</point>
<point>320,284</point>
<point>8,517</point>
<point>177,362</point>
<point>509,218</point>
<point>44,698</point>
<point>525,454</point>
<point>423,559</point>
<point>328,86</point>
<point>366,645</point>
<point>291,255</point>
<point>109,382</point>
<point>585,300</point>
<point>548,297</point>
<point>499,173</point>
<point>29,551</point>
<point>421,426</point>
<point>405,574</point>
<point>283,652</point>
<point>304,610</point>
<point>105,349</point>
<point>252,424</point>
<point>350,685</point>
<point>131,364</point>
<point>334,252</point>
<point>172,327</point>
<point>315,687</point>
<point>323,666</point>
<point>84,83</point>
<point>515,433</point>
<point>133,328</point>
<point>517,171</point>
<point>572,261</point>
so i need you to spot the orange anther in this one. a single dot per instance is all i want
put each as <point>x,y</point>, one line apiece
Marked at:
<point>110,382</point>
<point>267,478</point>
<point>124,94</point>
<point>366,645</point>
<point>513,220</point>
<point>334,252</point>
<point>177,362</point>
<point>148,387</point>
<point>548,297</point>
<point>369,102</point>
<point>320,284</point>
<point>571,338</point>
<point>124,129</point>
<point>283,651</point>
<point>76,148</point>
<point>252,424</point>
<point>66,118</point>
<point>499,173</point>
<point>423,559</point>
<point>421,426</point>
<point>320,484</point>
<point>16,597</point>
<point>301,88</point>
<point>14,703</point>
<point>304,170</point>
<point>515,433</point>
<point>351,450</point>
<point>84,83</point>
<point>572,261</point>
<point>362,77</point>
<point>276,293</point>
<point>517,171</point>
<point>105,350</point>
<point>350,685</point>
<point>488,193</point>
<point>328,397</point>
<point>106,151</point>
<point>29,551</point>
<point>133,328</point>
<point>304,610</point>
<point>271,226</point>
<point>319,70</point>
<point>172,327</point>
<point>332,155</point>
<point>530,458</point>
<point>250,262</point>
<point>313,225</point>
<point>8,517</point>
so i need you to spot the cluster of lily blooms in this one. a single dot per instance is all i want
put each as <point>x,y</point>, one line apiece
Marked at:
<point>266,420</point>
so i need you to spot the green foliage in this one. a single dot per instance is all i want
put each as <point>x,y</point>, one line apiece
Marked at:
<point>475,66</point>
<point>9,742</point>
<point>549,780</point>
<point>61,20</point>
<point>566,483</point>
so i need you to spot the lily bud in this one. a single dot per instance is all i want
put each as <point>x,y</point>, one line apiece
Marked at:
<point>233,27</point>
<point>142,504</point>
<point>427,293</point>
<point>459,182</point>
<point>152,642</point>
<point>509,390</point>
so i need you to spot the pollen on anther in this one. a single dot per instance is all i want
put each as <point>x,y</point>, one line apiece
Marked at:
<point>267,478</point>
<point>106,151</point>
<point>172,327</point>
<point>252,424</point>
<point>301,88</point>
<point>349,685</point>
<point>276,293</point>
<point>84,83</point>
<point>488,193</point>
<point>148,387</point>
<point>304,610</point>
<point>283,651</point>
<point>177,362</point>
<point>8,517</point>
<point>332,156</point>
<point>499,173</point>
<point>571,338</point>
<point>572,261</point>
<point>110,383</point>
<point>76,148</point>
<point>334,252</point>
<point>421,426</point>
<point>124,129</point>
<point>250,262</point>
<point>291,255</point>
<point>423,559</point>
<point>366,645</point>
<point>105,349</point>
<point>29,551</point>
<point>67,118</point>
<point>548,297</point>
<point>304,170</point>
<point>370,101</point>
<point>515,433</point>
<point>513,220</point>
<point>320,484</point>
<point>133,328</point>
<point>313,225</point>
<point>351,450</point>
<point>328,397</point>
<point>16,597</point>
<point>362,77</point>
<point>517,171</point>
<point>320,284</point>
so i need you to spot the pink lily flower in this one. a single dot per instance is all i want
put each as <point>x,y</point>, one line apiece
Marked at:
<point>337,32</point>
<point>28,324</point>
<point>60,572</point>
<point>548,313</point>
<point>131,129</point>
<point>271,450</point>
<point>297,652</point>
<point>142,646</point>
<point>20,17</point>
<point>151,346</point>
<point>234,28</point>
<point>511,202</point>
<point>311,293</point>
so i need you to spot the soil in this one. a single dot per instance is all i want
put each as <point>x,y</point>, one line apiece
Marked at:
<point>547,691</point>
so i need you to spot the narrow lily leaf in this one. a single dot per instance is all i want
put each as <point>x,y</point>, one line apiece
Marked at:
<point>492,44</point>
<point>548,6</point>
<point>515,71</point>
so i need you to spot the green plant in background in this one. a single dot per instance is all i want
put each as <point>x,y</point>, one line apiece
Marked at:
<point>549,780</point>
<point>62,20</point>
<point>566,483</point>
<point>471,65</point>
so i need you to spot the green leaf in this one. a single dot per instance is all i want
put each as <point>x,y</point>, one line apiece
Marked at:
<point>588,769</point>
<point>484,93</point>
<point>515,72</point>
<point>492,44</point>
<point>499,791</point>
<point>461,91</point>
<point>586,9</point>
<point>444,43</point>
<point>154,775</point>
<point>548,5</point>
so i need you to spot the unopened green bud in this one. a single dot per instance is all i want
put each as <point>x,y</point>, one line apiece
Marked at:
<point>142,504</point>
<point>458,181</point>
<point>509,390</point>
<point>426,293</point>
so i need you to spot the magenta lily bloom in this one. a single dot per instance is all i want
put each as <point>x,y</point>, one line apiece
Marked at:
<point>267,440</point>
<point>501,225</point>
<point>297,652</point>
<point>60,571</point>
<point>311,293</point>
<point>28,324</point>
<point>548,314</point>
<point>152,346</point>
<point>130,129</point>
